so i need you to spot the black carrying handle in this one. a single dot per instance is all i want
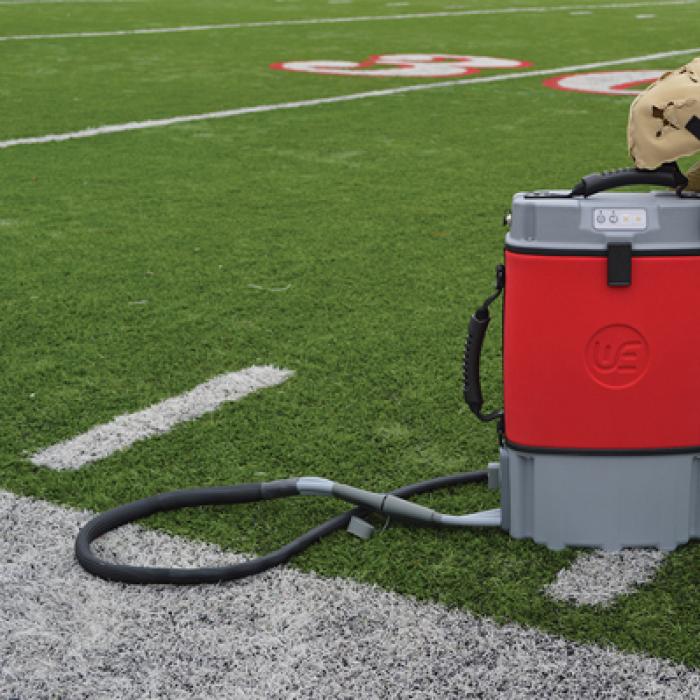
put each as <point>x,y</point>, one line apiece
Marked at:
<point>666,175</point>
<point>478,325</point>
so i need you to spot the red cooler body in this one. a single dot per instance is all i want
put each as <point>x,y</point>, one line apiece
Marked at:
<point>590,366</point>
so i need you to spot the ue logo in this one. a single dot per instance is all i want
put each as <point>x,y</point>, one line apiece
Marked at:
<point>617,356</point>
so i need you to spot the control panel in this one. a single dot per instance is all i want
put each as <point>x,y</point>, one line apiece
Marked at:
<point>620,219</point>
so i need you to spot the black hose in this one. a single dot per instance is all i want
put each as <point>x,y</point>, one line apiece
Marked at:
<point>223,495</point>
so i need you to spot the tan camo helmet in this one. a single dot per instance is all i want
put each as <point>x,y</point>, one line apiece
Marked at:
<point>664,122</point>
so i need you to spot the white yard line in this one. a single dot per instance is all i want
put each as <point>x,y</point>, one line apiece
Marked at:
<point>62,2</point>
<point>103,440</point>
<point>345,20</point>
<point>240,111</point>
<point>281,634</point>
<point>599,578</point>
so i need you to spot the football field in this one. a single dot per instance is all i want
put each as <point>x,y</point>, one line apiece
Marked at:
<point>241,241</point>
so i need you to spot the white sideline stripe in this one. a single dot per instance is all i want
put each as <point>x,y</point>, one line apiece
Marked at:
<point>345,20</point>
<point>281,634</point>
<point>599,578</point>
<point>62,2</point>
<point>103,440</point>
<point>240,111</point>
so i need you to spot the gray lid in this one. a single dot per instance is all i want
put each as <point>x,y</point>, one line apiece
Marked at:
<point>650,221</point>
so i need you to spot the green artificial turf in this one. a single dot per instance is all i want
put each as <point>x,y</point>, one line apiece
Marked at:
<point>131,264</point>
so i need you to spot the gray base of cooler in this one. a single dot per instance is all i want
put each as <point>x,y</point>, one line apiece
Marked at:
<point>597,501</point>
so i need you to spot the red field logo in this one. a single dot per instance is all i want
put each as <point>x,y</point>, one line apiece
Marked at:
<point>621,82</point>
<point>617,356</point>
<point>408,65</point>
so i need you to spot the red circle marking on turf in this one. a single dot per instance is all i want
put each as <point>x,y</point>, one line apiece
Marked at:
<point>605,82</point>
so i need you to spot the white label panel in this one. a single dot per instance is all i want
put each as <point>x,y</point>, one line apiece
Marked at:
<point>620,219</point>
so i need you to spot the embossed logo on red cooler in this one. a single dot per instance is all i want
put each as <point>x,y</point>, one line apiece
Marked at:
<point>617,356</point>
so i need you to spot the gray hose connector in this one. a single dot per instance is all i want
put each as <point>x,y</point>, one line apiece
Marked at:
<point>484,518</point>
<point>393,505</point>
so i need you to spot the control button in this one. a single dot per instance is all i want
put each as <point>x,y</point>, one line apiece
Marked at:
<point>600,219</point>
<point>613,218</point>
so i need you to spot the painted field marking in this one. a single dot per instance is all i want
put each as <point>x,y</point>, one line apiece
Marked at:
<point>62,2</point>
<point>599,578</point>
<point>606,82</point>
<point>258,109</point>
<point>414,65</point>
<point>103,440</point>
<point>345,20</point>
<point>281,634</point>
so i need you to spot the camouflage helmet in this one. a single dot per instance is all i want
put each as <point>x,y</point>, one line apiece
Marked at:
<point>664,121</point>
